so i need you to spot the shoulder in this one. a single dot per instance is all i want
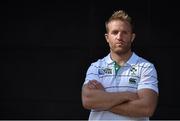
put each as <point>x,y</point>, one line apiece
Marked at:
<point>99,63</point>
<point>95,66</point>
<point>145,66</point>
<point>144,63</point>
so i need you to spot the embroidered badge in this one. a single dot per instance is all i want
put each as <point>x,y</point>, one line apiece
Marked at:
<point>133,71</point>
<point>101,72</point>
<point>105,71</point>
<point>132,81</point>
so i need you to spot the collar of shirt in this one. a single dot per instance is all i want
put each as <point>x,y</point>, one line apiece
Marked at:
<point>132,60</point>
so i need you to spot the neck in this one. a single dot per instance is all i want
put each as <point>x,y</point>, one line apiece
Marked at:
<point>121,58</point>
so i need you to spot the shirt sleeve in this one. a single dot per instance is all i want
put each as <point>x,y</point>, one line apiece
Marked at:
<point>149,78</point>
<point>92,73</point>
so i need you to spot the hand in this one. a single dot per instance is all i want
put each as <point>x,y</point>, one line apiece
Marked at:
<point>93,84</point>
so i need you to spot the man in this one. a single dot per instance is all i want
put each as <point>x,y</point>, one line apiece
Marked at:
<point>122,85</point>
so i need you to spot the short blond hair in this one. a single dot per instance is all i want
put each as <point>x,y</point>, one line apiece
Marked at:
<point>119,15</point>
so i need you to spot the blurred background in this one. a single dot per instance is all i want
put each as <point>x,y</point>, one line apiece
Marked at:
<point>47,46</point>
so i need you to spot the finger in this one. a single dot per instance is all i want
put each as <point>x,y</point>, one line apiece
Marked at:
<point>97,84</point>
<point>91,85</point>
<point>94,83</point>
<point>100,86</point>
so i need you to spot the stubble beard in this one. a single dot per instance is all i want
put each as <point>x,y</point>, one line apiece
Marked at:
<point>122,51</point>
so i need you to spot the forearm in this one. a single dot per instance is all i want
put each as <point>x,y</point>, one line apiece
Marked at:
<point>142,107</point>
<point>96,99</point>
<point>131,108</point>
<point>101,100</point>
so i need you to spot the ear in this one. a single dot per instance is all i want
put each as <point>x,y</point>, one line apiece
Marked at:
<point>133,37</point>
<point>106,36</point>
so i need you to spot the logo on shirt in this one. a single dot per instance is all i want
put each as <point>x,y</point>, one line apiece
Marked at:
<point>105,71</point>
<point>133,71</point>
<point>132,81</point>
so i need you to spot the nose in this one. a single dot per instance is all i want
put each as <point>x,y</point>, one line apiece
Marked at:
<point>119,35</point>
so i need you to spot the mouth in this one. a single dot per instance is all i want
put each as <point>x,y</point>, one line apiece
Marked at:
<point>120,43</point>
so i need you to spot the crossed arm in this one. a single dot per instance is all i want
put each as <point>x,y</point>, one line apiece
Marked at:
<point>140,104</point>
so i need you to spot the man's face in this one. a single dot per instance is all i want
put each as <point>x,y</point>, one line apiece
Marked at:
<point>119,36</point>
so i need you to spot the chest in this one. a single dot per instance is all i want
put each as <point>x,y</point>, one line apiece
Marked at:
<point>126,78</point>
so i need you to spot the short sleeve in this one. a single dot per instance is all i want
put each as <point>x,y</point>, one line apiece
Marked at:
<point>92,73</point>
<point>148,78</point>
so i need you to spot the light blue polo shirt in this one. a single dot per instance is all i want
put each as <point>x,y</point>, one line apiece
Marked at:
<point>137,73</point>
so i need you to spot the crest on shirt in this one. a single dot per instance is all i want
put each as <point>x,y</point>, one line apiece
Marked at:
<point>132,80</point>
<point>133,74</point>
<point>133,71</point>
<point>103,71</point>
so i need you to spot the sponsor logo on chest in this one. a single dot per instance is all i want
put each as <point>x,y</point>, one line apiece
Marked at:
<point>104,71</point>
